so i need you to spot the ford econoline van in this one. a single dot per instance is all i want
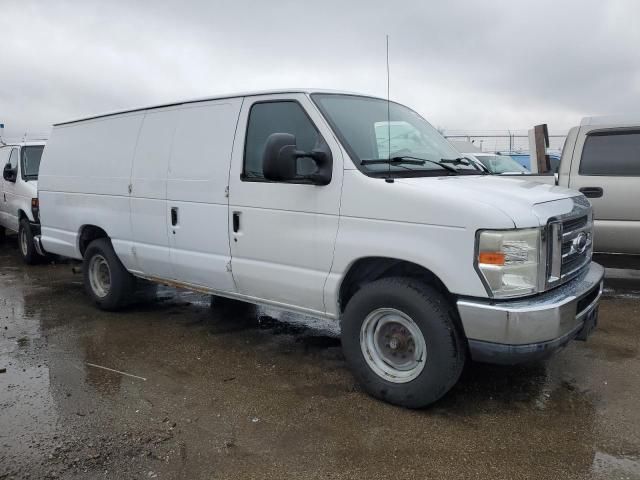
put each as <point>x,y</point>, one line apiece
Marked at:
<point>330,204</point>
<point>19,195</point>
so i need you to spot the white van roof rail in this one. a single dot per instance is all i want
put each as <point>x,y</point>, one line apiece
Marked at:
<point>215,97</point>
<point>26,140</point>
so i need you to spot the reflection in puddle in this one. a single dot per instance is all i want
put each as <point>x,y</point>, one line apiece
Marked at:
<point>608,466</point>
<point>211,369</point>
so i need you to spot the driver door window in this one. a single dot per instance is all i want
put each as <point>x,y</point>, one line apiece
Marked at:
<point>266,118</point>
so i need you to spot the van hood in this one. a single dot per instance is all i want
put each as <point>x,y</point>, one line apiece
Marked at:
<point>515,197</point>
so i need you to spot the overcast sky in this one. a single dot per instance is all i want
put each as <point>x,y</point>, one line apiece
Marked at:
<point>474,65</point>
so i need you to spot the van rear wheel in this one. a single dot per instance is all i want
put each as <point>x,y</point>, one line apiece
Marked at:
<point>400,339</point>
<point>106,280</point>
<point>28,250</point>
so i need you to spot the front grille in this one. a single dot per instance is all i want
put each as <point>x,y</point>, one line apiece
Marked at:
<point>570,243</point>
<point>576,245</point>
<point>575,223</point>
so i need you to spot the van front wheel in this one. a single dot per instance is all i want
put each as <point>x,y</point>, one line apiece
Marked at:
<point>106,280</point>
<point>400,339</point>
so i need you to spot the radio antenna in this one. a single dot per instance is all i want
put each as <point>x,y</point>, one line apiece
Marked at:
<point>389,179</point>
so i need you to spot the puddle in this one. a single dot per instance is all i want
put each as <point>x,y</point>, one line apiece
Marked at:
<point>210,370</point>
<point>609,466</point>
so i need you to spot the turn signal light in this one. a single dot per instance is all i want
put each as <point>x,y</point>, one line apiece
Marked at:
<point>491,258</point>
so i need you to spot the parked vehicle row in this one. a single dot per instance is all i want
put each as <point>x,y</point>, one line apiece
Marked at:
<point>524,159</point>
<point>337,205</point>
<point>498,164</point>
<point>19,195</point>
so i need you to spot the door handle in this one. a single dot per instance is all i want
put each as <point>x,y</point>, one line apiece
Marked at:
<point>236,222</point>
<point>174,216</point>
<point>592,192</point>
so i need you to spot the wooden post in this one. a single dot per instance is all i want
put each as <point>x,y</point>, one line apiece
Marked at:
<point>541,138</point>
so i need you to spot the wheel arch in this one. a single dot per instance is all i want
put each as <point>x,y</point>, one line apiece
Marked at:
<point>87,234</point>
<point>368,269</point>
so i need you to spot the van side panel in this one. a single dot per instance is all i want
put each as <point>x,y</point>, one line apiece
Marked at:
<point>84,180</point>
<point>149,213</point>
<point>196,187</point>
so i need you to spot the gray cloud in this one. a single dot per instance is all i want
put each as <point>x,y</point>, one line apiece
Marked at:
<point>474,65</point>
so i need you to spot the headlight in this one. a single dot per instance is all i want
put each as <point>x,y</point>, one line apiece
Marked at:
<point>509,260</point>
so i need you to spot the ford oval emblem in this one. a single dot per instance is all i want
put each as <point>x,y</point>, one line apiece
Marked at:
<point>579,243</point>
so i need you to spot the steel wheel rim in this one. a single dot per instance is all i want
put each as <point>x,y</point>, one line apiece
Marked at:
<point>23,242</point>
<point>393,345</point>
<point>99,276</point>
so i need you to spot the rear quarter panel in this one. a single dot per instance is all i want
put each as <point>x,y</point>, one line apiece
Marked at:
<point>84,180</point>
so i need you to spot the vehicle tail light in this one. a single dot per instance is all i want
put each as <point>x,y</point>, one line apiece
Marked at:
<point>35,209</point>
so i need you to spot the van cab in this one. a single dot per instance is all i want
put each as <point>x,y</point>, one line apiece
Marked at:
<point>330,204</point>
<point>19,195</point>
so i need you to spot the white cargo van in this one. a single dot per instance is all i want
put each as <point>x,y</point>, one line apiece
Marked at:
<point>312,201</point>
<point>20,162</point>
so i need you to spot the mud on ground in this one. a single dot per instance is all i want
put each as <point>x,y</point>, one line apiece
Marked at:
<point>201,392</point>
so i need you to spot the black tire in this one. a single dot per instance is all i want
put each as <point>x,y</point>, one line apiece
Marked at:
<point>436,319</point>
<point>26,246</point>
<point>3,234</point>
<point>121,284</point>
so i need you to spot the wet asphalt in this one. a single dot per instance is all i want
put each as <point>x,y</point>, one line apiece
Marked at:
<point>174,387</point>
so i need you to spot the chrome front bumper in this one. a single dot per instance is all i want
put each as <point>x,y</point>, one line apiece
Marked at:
<point>516,331</point>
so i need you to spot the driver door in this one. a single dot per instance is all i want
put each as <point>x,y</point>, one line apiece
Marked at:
<point>282,233</point>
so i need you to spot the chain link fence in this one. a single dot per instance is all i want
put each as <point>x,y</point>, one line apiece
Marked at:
<point>502,140</point>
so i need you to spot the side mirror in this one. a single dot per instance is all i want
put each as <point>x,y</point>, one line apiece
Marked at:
<point>280,160</point>
<point>8,173</point>
<point>556,176</point>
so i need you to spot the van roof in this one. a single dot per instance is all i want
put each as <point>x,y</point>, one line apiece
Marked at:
<point>215,97</point>
<point>612,120</point>
<point>28,143</point>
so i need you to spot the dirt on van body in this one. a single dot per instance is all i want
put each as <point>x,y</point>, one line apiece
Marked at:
<point>172,388</point>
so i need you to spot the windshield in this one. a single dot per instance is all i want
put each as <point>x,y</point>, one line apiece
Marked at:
<point>31,161</point>
<point>369,131</point>
<point>501,164</point>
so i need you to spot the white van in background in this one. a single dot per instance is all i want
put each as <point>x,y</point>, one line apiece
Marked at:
<point>302,200</point>
<point>20,163</point>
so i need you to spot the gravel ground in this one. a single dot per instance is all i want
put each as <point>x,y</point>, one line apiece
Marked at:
<point>176,388</point>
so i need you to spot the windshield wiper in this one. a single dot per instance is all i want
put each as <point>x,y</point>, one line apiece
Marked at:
<point>406,160</point>
<point>456,161</point>
<point>463,161</point>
